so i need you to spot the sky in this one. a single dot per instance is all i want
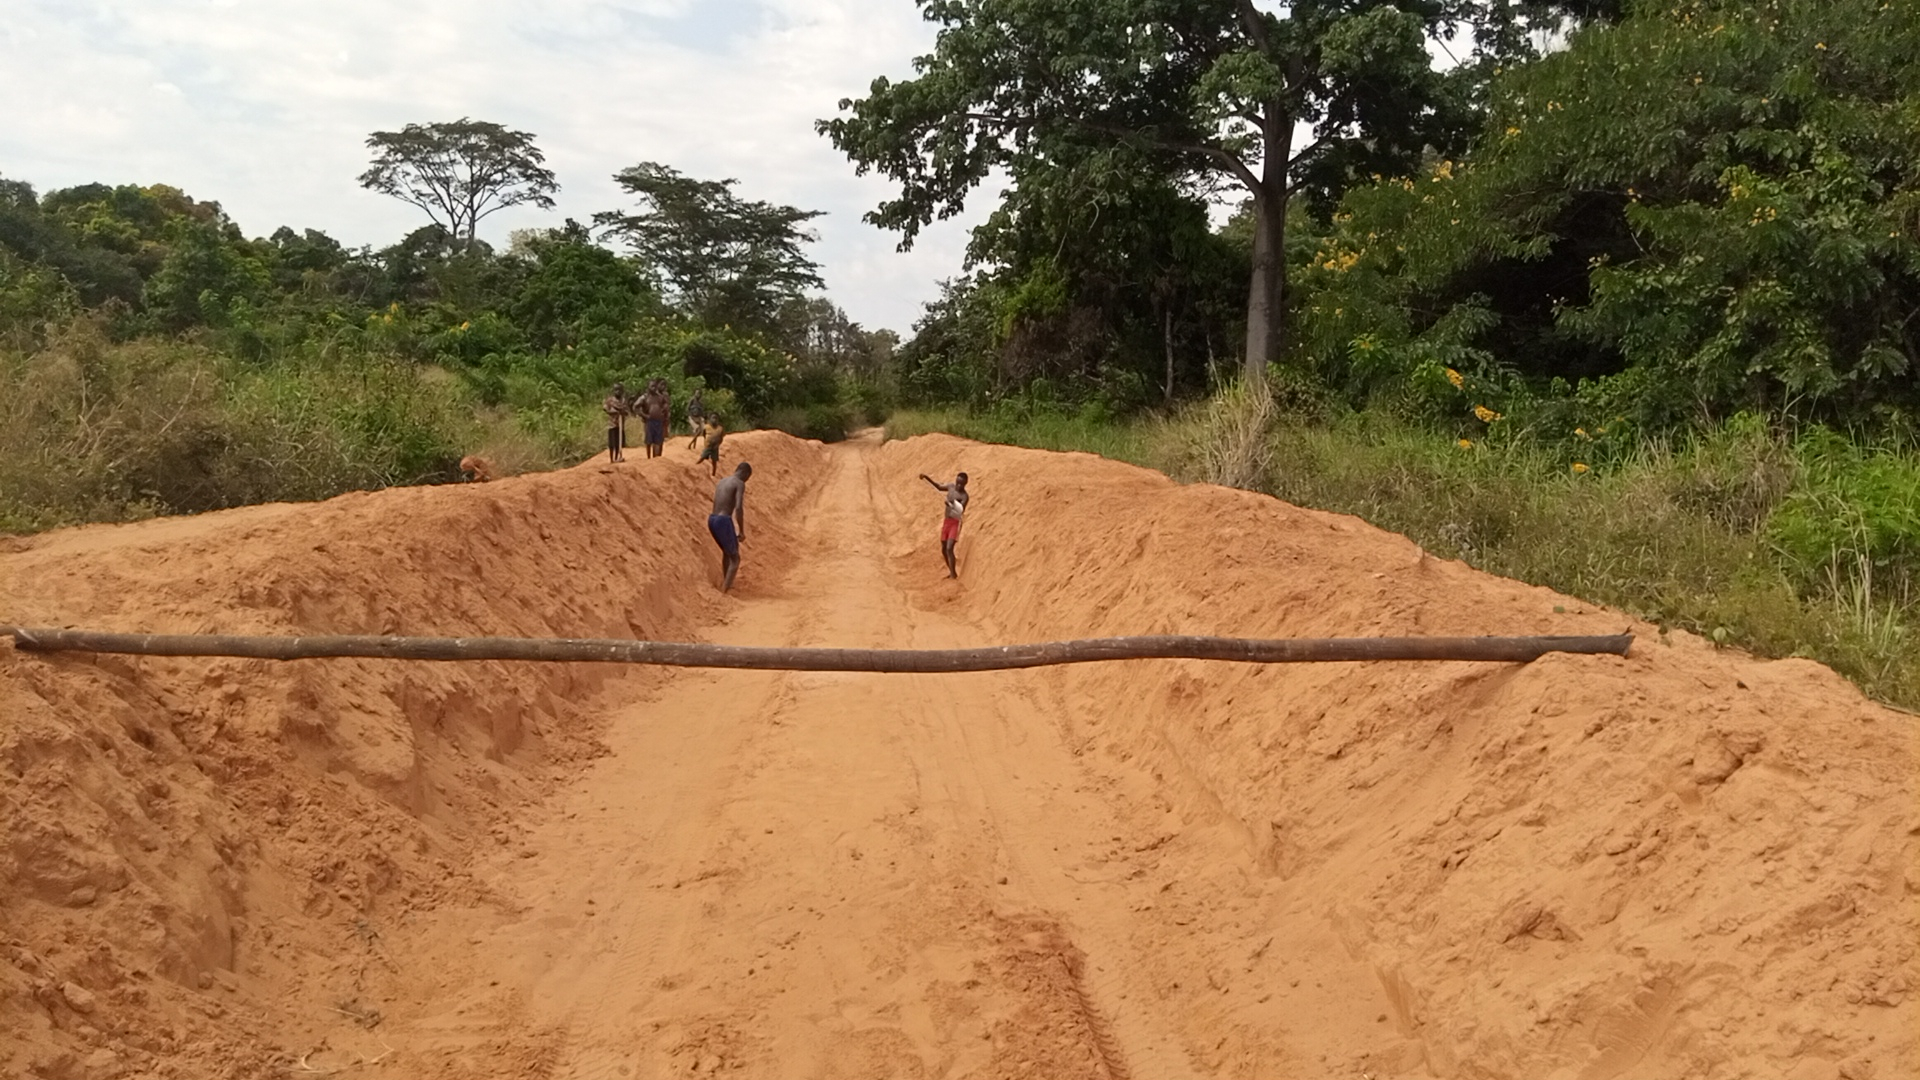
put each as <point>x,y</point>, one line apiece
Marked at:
<point>265,105</point>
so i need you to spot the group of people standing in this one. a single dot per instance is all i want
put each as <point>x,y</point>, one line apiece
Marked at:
<point>654,408</point>
<point>727,521</point>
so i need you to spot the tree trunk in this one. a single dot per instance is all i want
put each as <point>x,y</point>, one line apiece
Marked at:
<point>1264,312</point>
<point>1267,285</point>
<point>1166,338</point>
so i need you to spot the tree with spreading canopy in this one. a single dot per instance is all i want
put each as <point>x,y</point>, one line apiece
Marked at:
<point>459,172</point>
<point>1221,90</point>
<point>724,259</point>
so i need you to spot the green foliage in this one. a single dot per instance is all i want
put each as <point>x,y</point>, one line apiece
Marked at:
<point>725,259</point>
<point>31,299</point>
<point>1692,535</point>
<point>951,357</point>
<point>825,421</point>
<point>155,360</point>
<point>575,290</point>
<point>91,430</point>
<point>205,279</point>
<point>1100,273</point>
<point>1089,429</point>
<point>1851,523</point>
<point>1706,208</point>
<point>1192,93</point>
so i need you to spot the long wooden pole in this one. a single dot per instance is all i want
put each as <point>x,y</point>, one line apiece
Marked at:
<point>674,654</point>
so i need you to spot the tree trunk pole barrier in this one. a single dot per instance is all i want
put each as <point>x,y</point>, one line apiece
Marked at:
<point>675,654</point>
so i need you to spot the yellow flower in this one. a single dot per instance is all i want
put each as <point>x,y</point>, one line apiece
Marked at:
<point>1512,131</point>
<point>1458,380</point>
<point>1466,444</point>
<point>1582,432</point>
<point>1821,45</point>
<point>1485,414</point>
<point>465,325</point>
<point>1580,467</point>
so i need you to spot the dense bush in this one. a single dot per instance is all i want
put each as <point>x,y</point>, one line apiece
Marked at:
<point>1705,209</point>
<point>93,430</point>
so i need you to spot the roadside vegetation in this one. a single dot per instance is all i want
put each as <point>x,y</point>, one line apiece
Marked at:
<point>1786,546</point>
<point>1625,303</point>
<point>154,359</point>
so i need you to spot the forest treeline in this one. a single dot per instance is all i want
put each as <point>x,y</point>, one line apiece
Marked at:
<point>156,359</point>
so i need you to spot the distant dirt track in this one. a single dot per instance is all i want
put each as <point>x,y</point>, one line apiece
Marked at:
<point>1678,862</point>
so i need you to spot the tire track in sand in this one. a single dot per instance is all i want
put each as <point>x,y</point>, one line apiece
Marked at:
<point>1022,779</point>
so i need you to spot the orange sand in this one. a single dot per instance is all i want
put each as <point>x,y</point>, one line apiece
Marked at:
<point>1683,863</point>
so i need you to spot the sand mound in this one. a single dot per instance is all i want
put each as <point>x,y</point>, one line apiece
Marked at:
<point>168,818</point>
<point>1687,862</point>
<point>1681,863</point>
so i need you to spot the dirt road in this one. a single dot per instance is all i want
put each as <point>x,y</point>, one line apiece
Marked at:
<point>1681,862</point>
<point>807,874</point>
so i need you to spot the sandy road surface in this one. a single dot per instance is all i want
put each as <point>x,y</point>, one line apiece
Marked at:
<point>813,874</point>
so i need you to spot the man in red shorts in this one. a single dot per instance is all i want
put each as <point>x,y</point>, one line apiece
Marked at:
<point>956,493</point>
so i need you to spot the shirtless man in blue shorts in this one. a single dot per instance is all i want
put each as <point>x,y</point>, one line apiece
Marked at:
<point>728,521</point>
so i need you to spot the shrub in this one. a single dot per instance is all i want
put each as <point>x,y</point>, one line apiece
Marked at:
<point>824,421</point>
<point>91,430</point>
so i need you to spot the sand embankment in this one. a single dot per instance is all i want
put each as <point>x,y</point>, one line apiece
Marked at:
<point>1686,862</point>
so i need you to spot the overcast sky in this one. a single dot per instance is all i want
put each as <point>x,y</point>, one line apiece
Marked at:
<point>264,106</point>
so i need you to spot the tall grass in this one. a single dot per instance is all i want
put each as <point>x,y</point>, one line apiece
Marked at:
<point>93,430</point>
<point>1786,546</point>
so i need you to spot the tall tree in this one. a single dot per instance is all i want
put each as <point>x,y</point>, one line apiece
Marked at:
<point>459,172</point>
<point>1222,89</point>
<point>724,258</point>
<point>1110,273</point>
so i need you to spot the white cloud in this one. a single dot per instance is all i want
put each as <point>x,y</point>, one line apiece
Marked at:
<point>265,107</point>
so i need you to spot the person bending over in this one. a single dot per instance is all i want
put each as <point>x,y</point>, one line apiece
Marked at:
<point>728,521</point>
<point>950,525</point>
